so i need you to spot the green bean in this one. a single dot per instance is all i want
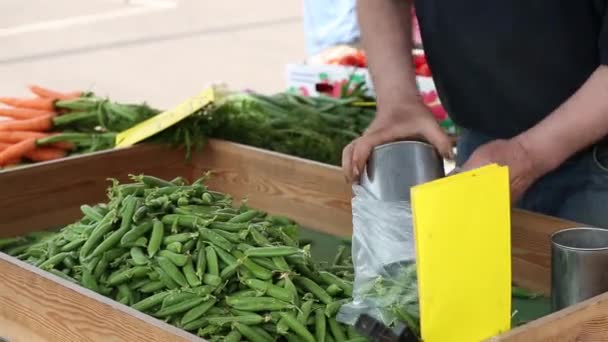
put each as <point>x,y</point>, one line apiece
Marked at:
<point>233,336</point>
<point>272,251</point>
<point>212,263</point>
<point>297,327</point>
<point>315,289</point>
<point>198,311</point>
<point>320,325</point>
<point>73,245</point>
<point>228,226</point>
<point>179,307</point>
<point>151,301</point>
<point>270,289</point>
<point>135,233</point>
<point>172,271</point>
<point>178,259</point>
<point>158,230</point>
<point>138,256</point>
<point>54,260</point>
<point>152,286</point>
<point>244,217</point>
<point>103,227</point>
<point>249,333</point>
<point>257,304</point>
<point>330,279</point>
<point>336,331</point>
<point>215,239</point>
<point>175,247</point>
<point>91,212</point>
<point>190,274</point>
<point>122,276</point>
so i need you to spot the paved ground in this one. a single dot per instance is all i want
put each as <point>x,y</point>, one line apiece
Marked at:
<point>160,51</point>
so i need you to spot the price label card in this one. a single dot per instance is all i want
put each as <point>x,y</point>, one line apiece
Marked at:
<point>168,118</point>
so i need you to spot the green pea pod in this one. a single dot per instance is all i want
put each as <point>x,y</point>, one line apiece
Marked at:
<point>156,238</point>
<point>251,319</point>
<point>188,246</point>
<point>263,332</point>
<point>153,182</point>
<point>136,232</point>
<point>333,289</point>
<point>198,311</point>
<point>177,297</point>
<point>258,237</point>
<point>69,262</point>
<point>320,325</point>
<point>187,221</point>
<point>190,274</point>
<point>257,304</point>
<point>138,257</point>
<point>201,262</point>
<point>152,286</point>
<point>249,333</point>
<point>330,279</point>
<point>197,324</point>
<point>101,266</point>
<point>297,327</point>
<point>226,257</point>
<point>228,226</point>
<point>212,262</point>
<point>73,245</point>
<point>257,270</point>
<point>172,271</point>
<point>179,307</point>
<point>89,281</point>
<point>125,226</point>
<point>181,237</point>
<point>265,262</point>
<point>270,289</point>
<point>289,285</point>
<point>216,239</point>
<point>124,295</point>
<point>166,279</point>
<point>103,227</point>
<point>332,308</point>
<point>212,280</point>
<point>315,289</point>
<point>175,247</point>
<point>151,301</point>
<point>305,311</point>
<point>232,237</point>
<point>178,259</point>
<point>244,217</point>
<point>91,213</point>
<point>140,214</point>
<point>230,270</point>
<point>272,251</point>
<point>54,260</point>
<point>233,336</point>
<point>336,330</point>
<point>281,264</point>
<point>292,337</point>
<point>122,276</point>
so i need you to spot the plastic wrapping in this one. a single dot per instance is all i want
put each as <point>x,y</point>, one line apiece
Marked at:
<point>385,284</point>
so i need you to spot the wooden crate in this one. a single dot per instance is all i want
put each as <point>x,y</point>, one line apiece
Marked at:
<point>37,306</point>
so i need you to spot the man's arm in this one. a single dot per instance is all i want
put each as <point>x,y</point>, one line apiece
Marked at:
<point>386,35</point>
<point>578,123</point>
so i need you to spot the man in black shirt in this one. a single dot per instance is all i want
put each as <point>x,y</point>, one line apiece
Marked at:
<point>526,80</point>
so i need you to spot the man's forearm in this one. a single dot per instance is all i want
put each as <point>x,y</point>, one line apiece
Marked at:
<point>579,122</point>
<point>387,39</point>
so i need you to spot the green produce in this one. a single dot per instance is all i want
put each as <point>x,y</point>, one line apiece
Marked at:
<point>243,279</point>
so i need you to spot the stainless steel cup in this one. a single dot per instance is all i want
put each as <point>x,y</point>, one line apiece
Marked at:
<point>579,265</point>
<point>394,168</point>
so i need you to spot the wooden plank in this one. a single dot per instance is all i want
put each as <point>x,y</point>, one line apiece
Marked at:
<point>45,196</point>
<point>314,194</point>
<point>38,306</point>
<point>585,322</point>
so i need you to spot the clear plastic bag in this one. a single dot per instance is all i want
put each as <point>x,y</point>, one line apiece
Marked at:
<point>385,285</point>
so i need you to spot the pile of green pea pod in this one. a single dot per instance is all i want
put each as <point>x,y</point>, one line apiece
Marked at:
<point>186,255</point>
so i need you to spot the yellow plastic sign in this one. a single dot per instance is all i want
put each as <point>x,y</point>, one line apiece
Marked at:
<point>463,255</point>
<point>166,119</point>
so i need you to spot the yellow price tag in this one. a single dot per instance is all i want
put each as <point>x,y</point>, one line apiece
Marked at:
<point>166,119</point>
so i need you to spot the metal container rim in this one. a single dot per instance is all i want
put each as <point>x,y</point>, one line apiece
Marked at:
<point>562,231</point>
<point>403,142</point>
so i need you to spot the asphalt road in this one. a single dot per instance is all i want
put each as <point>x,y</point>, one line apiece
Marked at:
<point>159,51</point>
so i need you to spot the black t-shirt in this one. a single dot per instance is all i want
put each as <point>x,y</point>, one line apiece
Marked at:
<point>502,66</point>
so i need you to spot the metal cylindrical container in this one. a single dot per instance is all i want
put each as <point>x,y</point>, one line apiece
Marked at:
<point>579,265</point>
<point>394,168</point>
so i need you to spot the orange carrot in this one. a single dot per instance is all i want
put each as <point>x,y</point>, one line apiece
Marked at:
<point>52,94</point>
<point>11,137</point>
<point>42,123</point>
<point>23,113</point>
<point>4,146</point>
<point>45,154</point>
<point>17,151</point>
<point>35,103</point>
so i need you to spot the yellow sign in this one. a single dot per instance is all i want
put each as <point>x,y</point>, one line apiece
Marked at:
<point>463,254</point>
<point>166,119</point>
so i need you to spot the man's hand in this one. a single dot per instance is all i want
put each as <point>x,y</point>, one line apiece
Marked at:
<point>524,168</point>
<point>399,122</point>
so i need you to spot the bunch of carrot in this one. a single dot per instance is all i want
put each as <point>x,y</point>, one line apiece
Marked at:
<point>26,121</point>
